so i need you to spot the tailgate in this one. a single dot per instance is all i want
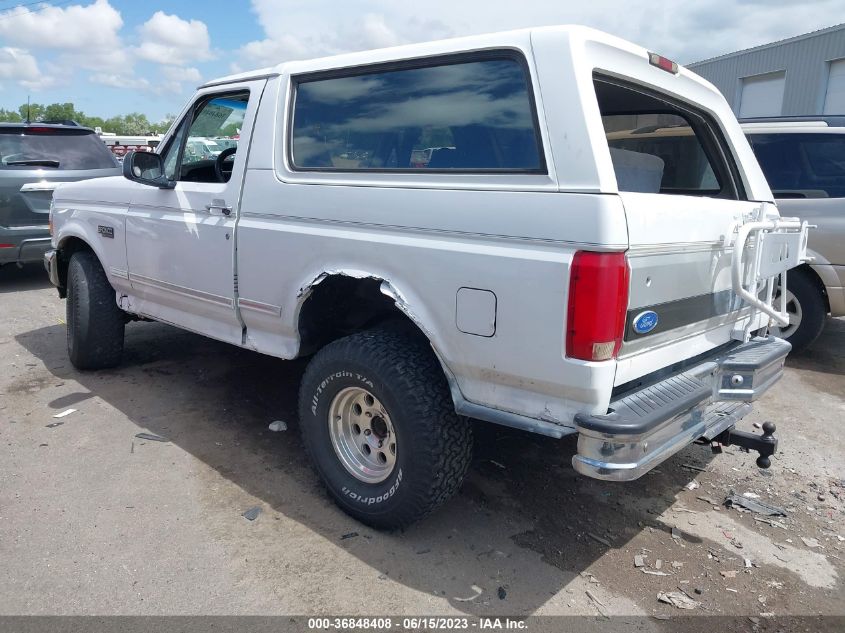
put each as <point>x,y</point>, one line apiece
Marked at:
<point>681,297</point>
<point>686,204</point>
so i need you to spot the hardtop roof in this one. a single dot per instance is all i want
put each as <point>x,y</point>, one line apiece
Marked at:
<point>503,39</point>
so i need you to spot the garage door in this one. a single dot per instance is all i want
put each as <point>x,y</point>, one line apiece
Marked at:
<point>762,95</point>
<point>834,101</point>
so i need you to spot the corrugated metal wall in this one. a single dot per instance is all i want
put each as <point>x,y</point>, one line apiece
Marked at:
<point>804,58</point>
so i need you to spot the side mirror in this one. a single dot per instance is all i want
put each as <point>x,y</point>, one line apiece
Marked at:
<point>146,168</point>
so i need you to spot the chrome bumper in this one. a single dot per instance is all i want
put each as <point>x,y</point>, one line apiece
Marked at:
<point>52,265</point>
<point>646,427</point>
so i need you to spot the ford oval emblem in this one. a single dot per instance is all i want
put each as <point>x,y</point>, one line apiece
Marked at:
<point>645,322</point>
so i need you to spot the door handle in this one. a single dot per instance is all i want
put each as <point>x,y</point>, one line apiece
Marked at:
<point>219,206</point>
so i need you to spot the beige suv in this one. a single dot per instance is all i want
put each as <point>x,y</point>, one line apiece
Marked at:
<point>804,161</point>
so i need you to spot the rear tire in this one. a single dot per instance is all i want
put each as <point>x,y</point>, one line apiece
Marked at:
<point>393,372</point>
<point>807,310</point>
<point>95,325</point>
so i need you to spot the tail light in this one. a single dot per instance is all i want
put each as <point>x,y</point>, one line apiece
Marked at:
<point>598,301</point>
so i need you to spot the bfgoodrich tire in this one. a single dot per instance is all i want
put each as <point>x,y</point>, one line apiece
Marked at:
<point>378,422</point>
<point>95,325</point>
<point>807,310</point>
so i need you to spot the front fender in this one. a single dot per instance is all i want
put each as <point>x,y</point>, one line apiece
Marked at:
<point>101,227</point>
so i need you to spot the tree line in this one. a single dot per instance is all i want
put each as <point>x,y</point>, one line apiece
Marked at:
<point>133,123</point>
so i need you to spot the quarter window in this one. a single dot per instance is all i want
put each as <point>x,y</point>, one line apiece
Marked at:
<point>470,116</point>
<point>660,146</point>
<point>663,150</point>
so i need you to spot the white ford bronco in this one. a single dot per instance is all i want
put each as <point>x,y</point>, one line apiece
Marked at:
<point>459,229</point>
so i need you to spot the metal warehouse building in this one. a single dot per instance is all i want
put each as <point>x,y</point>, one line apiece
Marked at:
<point>803,75</point>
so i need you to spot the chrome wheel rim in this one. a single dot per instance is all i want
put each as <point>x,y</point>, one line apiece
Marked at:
<point>793,310</point>
<point>362,435</point>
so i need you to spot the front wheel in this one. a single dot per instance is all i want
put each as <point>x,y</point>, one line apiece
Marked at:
<point>806,308</point>
<point>378,423</point>
<point>95,325</point>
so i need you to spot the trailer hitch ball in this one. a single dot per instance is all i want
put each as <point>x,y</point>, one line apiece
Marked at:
<point>736,380</point>
<point>769,429</point>
<point>765,444</point>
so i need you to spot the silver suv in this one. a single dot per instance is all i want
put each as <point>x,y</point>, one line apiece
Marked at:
<point>804,161</point>
<point>34,158</point>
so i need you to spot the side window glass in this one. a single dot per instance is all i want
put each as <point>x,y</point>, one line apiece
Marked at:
<point>215,128</point>
<point>171,156</point>
<point>474,116</point>
<point>802,165</point>
<point>659,153</point>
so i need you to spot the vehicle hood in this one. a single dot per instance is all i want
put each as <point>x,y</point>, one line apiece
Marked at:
<point>114,189</point>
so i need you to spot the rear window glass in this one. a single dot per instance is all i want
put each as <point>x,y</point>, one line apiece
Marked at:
<point>53,148</point>
<point>475,116</point>
<point>656,147</point>
<point>802,165</point>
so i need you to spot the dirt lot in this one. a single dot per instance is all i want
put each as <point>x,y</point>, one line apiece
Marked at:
<point>94,520</point>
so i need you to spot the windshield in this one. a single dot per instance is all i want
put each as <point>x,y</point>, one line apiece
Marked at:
<point>56,148</point>
<point>810,165</point>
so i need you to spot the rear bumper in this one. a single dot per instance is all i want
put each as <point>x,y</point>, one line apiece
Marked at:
<point>25,249</point>
<point>647,426</point>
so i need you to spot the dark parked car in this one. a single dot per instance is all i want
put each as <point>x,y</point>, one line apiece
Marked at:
<point>33,159</point>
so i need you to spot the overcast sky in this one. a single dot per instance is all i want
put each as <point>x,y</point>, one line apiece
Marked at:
<point>116,56</point>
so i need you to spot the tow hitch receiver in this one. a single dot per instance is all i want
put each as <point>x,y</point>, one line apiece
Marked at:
<point>765,444</point>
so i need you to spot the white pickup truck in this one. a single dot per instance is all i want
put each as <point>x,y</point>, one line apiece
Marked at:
<point>542,268</point>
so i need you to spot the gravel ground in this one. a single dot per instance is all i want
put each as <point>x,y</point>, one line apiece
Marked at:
<point>94,520</point>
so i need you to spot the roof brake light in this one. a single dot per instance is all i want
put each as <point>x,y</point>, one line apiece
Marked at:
<point>663,63</point>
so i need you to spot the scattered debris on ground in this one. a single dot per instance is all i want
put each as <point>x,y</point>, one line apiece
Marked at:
<point>478,591</point>
<point>600,606</point>
<point>252,513</point>
<point>64,413</point>
<point>771,522</point>
<point>152,437</point>
<point>678,599</point>
<point>278,425</point>
<point>749,502</point>
<point>599,539</point>
<point>348,535</point>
